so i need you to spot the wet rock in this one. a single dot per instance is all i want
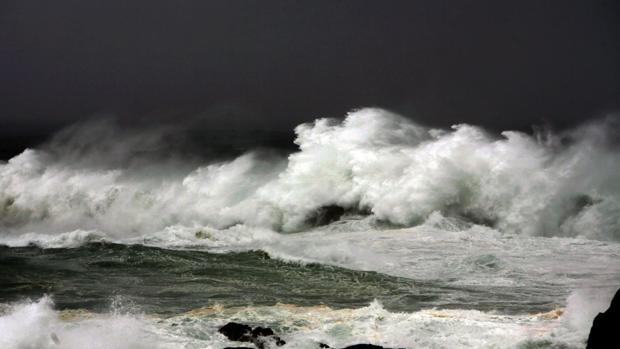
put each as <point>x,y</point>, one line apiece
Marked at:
<point>262,331</point>
<point>606,326</point>
<point>259,336</point>
<point>325,215</point>
<point>355,346</point>
<point>260,340</point>
<point>237,332</point>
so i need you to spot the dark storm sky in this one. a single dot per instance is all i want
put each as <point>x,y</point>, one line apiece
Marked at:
<point>273,64</point>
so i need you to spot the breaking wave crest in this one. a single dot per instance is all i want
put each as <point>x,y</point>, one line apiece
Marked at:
<point>374,163</point>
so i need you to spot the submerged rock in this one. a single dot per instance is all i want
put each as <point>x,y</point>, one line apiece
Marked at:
<point>606,327</point>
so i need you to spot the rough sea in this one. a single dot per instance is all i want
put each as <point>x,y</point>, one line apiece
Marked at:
<point>377,230</point>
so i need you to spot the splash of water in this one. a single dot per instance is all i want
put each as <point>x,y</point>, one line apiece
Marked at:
<point>373,162</point>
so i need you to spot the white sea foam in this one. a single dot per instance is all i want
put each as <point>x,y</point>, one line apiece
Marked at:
<point>453,252</point>
<point>477,256</point>
<point>70,239</point>
<point>38,325</point>
<point>537,214</point>
<point>373,161</point>
<point>583,305</point>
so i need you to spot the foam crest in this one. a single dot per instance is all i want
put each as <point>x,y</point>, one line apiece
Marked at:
<point>374,162</point>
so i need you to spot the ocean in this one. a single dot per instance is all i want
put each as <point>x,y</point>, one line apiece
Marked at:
<point>377,230</point>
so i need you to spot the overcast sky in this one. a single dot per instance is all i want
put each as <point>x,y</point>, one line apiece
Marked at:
<point>273,64</point>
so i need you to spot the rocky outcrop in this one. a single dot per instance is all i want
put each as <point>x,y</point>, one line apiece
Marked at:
<point>236,332</point>
<point>365,346</point>
<point>605,331</point>
<point>356,346</point>
<point>258,336</point>
<point>325,215</point>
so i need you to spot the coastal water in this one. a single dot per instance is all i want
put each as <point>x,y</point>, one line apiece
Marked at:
<point>377,231</point>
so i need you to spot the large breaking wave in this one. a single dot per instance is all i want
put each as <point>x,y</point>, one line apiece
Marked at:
<point>97,176</point>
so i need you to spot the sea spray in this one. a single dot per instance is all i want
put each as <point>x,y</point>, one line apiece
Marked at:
<point>373,161</point>
<point>36,324</point>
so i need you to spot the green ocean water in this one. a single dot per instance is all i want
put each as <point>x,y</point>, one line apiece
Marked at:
<point>165,281</point>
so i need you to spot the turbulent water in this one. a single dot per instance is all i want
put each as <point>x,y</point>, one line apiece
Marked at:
<point>377,230</point>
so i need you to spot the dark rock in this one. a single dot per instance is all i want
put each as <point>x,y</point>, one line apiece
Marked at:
<point>260,341</point>
<point>262,331</point>
<point>259,336</point>
<point>365,346</point>
<point>244,333</point>
<point>236,332</point>
<point>606,326</point>
<point>325,215</point>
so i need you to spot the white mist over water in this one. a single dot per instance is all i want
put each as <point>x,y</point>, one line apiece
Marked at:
<point>372,161</point>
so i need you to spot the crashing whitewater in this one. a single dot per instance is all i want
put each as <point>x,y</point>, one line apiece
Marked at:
<point>373,161</point>
<point>520,231</point>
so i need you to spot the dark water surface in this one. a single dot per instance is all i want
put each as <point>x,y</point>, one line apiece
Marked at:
<point>164,281</point>
<point>167,281</point>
